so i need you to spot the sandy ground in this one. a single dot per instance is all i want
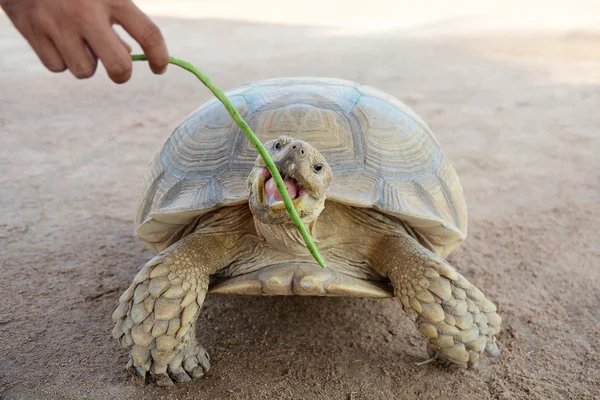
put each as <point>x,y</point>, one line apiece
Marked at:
<point>517,112</point>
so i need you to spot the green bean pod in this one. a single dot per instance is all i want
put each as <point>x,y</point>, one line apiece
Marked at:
<point>310,244</point>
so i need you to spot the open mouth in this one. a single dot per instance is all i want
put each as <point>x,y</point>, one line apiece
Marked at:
<point>270,194</point>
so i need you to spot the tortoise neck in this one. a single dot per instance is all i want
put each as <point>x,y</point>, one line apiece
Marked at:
<point>283,237</point>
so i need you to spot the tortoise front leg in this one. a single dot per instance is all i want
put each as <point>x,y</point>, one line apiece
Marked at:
<point>156,314</point>
<point>455,317</point>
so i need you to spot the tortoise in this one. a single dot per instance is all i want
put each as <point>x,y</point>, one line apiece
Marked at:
<point>368,179</point>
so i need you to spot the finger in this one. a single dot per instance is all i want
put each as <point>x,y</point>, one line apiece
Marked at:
<point>147,34</point>
<point>48,54</point>
<point>113,53</point>
<point>77,55</point>
<point>42,45</point>
<point>125,44</point>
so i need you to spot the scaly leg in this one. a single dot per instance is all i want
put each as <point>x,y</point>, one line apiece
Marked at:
<point>455,317</point>
<point>156,314</point>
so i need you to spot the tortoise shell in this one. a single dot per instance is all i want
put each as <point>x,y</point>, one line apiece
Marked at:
<point>383,156</point>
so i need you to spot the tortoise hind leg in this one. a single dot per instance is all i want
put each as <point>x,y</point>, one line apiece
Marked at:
<point>156,315</point>
<point>455,317</point>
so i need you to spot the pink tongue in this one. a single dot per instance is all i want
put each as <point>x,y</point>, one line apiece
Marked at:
<point>273,193</point>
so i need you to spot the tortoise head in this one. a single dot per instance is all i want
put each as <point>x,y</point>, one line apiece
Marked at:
<point>305,173</point>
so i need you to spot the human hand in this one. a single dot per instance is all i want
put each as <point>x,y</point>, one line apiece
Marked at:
<point>74,34</point>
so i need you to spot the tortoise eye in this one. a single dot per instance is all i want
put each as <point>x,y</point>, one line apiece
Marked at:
<point>277,145</point>
<point>318,167</point>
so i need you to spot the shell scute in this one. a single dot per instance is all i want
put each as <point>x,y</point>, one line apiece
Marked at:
<point>383,156</point>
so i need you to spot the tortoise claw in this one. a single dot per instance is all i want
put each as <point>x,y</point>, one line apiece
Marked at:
<point>140,372</point>
<point>180,376</point>
<point>163,380</point>
<point>492,349</point>
<point>197,373</point>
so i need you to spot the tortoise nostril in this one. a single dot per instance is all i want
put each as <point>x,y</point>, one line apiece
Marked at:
<point>298,147</point>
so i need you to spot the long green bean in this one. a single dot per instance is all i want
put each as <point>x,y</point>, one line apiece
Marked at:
<point>310,244</point>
